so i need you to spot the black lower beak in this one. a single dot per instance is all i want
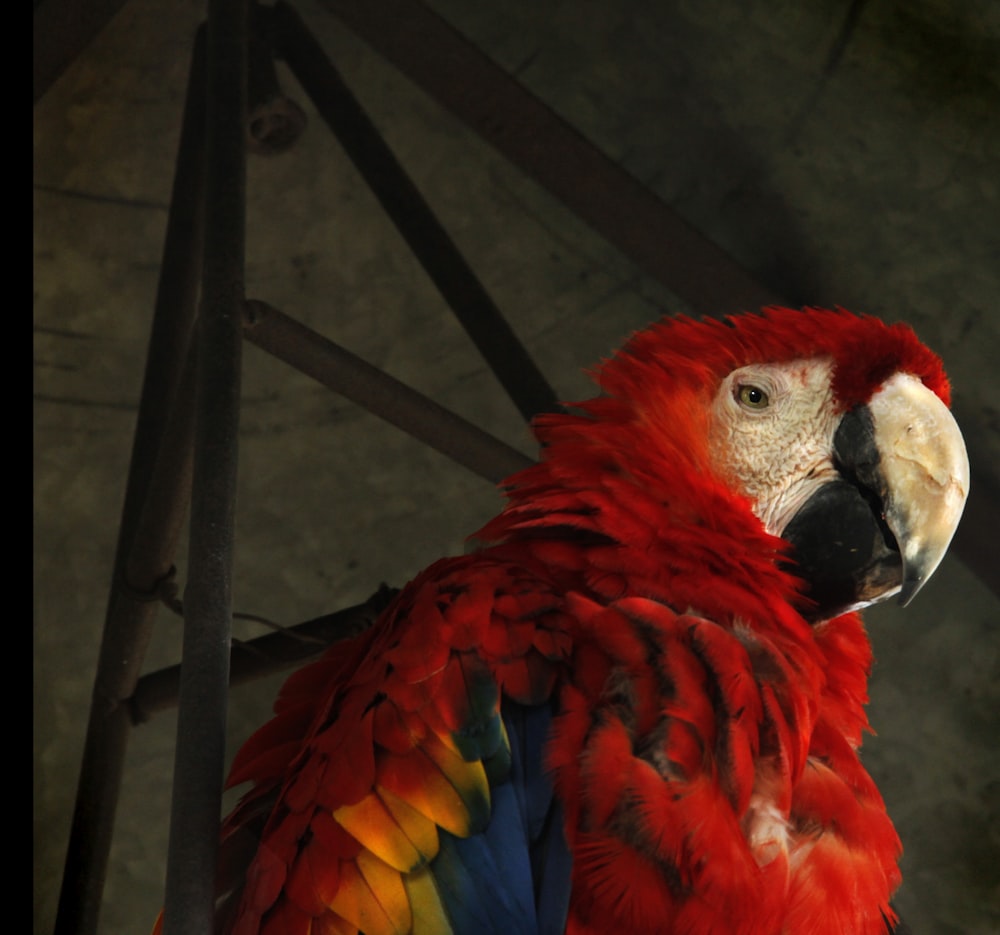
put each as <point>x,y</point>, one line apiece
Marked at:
<point>843,548</point>
<point>844,552</point>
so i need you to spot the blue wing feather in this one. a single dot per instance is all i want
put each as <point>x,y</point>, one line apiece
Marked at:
<point>515,875</point>
<point>551,864</point>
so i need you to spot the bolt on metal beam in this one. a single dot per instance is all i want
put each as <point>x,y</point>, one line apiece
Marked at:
<point>274,121</point>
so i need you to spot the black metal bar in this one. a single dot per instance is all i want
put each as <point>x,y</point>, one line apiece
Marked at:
<point>401,200</point>
<point>154,504</point>
<point>447,66</point>
<point>388,398</point>
<point>201,720</point>
<point>93,821</point>
<point>264,655</point>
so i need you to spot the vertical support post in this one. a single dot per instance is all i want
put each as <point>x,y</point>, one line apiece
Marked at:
<point>204,681</point>
<point>156,499</point>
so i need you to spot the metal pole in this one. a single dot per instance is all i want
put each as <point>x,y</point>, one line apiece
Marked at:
<point>265,655</point>
<point>201,721</point>
<point>426,237</point>
<point>151,518</point>
<point>381,394</point>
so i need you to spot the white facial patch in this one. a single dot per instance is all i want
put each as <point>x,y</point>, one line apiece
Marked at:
<point>772,433</point>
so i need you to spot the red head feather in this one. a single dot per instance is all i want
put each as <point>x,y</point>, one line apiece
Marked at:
<point>687,352</point>
<point>652,421</point>
<point>642,449</point>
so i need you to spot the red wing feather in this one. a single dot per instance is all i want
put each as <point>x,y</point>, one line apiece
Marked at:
<point>390,751</point>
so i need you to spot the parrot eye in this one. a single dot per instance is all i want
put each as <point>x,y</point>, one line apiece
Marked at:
<point>753,397</point>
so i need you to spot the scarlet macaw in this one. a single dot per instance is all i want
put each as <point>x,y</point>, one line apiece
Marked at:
<point>637,705</point>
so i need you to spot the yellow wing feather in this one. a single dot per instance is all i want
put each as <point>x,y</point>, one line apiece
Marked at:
<point>373,825</point>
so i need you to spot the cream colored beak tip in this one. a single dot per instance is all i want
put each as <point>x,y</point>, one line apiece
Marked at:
<point>926,469</point>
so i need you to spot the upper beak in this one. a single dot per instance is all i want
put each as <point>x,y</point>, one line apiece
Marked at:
<point>924,470</point>
<point>882,524</point>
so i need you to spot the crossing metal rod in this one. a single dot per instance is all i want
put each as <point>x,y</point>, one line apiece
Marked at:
<point>437,58</point>
<point>265,655</point>
<point>204,681</point>
<point>388,398</point>
<point>400,405</point>
<point>155,503</point>
<point>402,201</point>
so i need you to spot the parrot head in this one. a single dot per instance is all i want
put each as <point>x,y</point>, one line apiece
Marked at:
<point>833,427</point>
